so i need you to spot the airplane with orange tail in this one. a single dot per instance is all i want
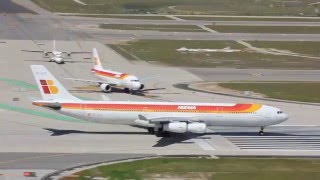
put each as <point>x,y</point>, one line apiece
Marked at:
<point>161,118</point>
<point>111,79</point>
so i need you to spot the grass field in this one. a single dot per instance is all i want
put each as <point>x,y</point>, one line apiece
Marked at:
<point>217,169</point>
<point>165,28</point>
<point>293,91</point>
<point>223,7</point>
<point>267,29</point>
<point>164,51</point>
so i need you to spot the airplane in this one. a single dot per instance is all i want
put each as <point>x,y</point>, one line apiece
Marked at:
<point>160,118</point>
<point>56,55</point>
<point>111,79</point>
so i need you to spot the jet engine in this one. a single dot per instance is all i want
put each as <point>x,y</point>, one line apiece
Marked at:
<point>198,128</point>
<point>176,127</point>
<point>105,87</point>
<point>141,87</point>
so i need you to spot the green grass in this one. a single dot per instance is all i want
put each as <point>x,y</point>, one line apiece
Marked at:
<point>217,169</point>
<point>152,27</point>
<point>302,47</point>
<point>293,91</point>
<point>267,29</point>
<point>223,7</point>
<point>125,17</point>
<point>164,51</point>
<point>246,19</point>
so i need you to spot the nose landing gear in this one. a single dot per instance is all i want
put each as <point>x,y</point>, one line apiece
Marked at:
<point>261,131</point>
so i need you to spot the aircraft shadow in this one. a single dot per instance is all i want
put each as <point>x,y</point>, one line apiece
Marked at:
<point>175,139</point>
<point>163,142</point>
<point>61,132</point>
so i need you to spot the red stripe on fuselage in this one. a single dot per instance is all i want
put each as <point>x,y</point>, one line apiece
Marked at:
<point>146,107</point>
<point>109,74</point>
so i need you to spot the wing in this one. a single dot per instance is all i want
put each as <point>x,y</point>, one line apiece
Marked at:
<point>163,120</point>
<point>75,52</point>
<point>24,50</point>
<point>92,81</point>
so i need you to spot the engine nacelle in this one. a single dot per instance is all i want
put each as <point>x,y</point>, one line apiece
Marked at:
<point>176,127</point>
<point>198,128</point>
<point>105,87</point>
<point>141,87</point>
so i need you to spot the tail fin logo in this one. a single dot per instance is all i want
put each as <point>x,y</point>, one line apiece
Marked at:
<point>48,87</point>
<point>96,61</point>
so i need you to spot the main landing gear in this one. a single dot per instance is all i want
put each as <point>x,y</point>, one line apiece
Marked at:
<point>151,130</point>
<point>159,132</point>
<point>261,131</point>
<point>127,90</point>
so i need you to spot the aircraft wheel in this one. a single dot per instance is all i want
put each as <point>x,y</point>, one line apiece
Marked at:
<point>261,133</point>
<point>127,90</point>
<point>151,130</point>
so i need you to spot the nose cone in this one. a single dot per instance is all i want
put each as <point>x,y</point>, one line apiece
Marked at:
<point>281,118</point>
<point>136,86</point>
<point>284,117</point>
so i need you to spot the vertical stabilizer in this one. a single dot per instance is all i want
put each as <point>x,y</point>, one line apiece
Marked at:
<point>49,86</point>
<point>96,60</point>
<point>54,46</point>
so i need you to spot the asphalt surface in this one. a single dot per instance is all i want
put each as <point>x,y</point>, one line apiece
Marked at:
<point>47,143</point>
<point>7,6</point>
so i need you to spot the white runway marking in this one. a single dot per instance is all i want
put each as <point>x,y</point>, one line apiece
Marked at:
<point>80,2</point>
<point>276,142</point>
<point>203,144</point>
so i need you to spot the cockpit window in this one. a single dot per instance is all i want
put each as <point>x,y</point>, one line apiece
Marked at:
<point>134,80</point>
<point>279,112</point>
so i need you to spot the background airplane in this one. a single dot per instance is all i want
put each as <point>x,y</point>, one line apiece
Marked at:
<point>57,56</point>
<point>160,117</point>
<point>111,79</point>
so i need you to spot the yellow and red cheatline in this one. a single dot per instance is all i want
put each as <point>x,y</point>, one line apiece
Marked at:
<point>109,74</point>
<point>241,108</point>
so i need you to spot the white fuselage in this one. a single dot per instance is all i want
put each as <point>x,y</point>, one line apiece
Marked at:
<point>120,79</point>
<point>127,113</point>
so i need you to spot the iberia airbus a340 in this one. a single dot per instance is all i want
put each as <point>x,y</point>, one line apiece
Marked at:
<point>159,117</point>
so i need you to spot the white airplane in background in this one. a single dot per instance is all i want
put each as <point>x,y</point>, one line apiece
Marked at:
<point>57,56</point>
<point>111,79</point>
<point>160,117</point>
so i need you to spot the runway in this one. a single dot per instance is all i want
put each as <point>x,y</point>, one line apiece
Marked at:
<point>39,139</point>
